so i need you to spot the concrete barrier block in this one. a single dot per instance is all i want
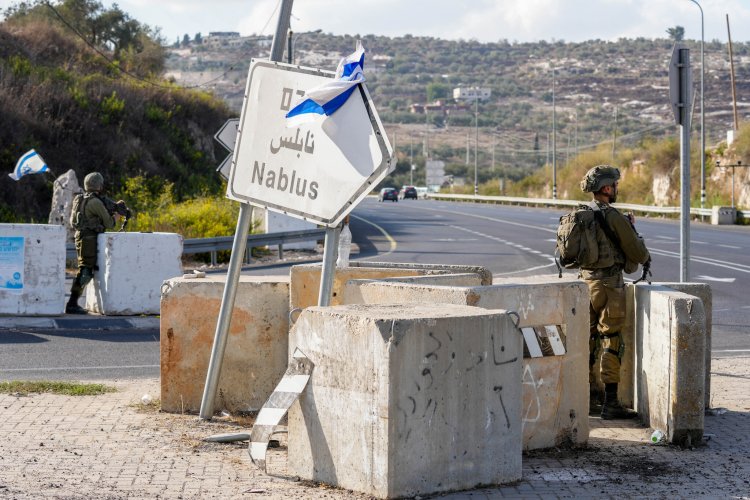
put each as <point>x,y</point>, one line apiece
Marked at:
<point>723,215</point>
<point>626,389</point>
<point>132,268</point>
<point>670,362</point>
<point>306,278</point>
<point>256,350</point>
<point>32,269</point>
<point>407,399</point>
<point>555,392</point>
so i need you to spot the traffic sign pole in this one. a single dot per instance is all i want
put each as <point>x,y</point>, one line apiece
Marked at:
<point>238,251</point>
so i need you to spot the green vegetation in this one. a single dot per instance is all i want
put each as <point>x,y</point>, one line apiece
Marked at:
<point>79,83</point>
<point>44,386</point>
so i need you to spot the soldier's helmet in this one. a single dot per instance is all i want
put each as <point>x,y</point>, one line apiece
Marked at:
<point>93,182</point>
<point>598,177</point>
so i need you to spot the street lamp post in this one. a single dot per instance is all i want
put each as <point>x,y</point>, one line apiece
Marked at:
<point>554,140</point>
<point>476,140</point>
<point>703,128</point>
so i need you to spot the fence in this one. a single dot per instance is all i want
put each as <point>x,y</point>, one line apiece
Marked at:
<point>511,200</point>
<point>213,245</point>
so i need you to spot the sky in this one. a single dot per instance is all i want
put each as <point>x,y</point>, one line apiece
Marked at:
<point>483,20</point>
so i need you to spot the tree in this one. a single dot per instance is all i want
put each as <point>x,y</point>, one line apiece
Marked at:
<point>677,33</point>
<point>436,91</point>
<point>198,39</point>
<point>185,40</point>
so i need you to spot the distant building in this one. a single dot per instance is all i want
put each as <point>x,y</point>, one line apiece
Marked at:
<point>471,93</point>
<point>222,39</point>
<point>439,107</point>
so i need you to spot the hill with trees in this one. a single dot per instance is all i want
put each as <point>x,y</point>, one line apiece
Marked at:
<point>82,85</point>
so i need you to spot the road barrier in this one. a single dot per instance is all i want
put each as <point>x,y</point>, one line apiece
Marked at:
<point>549,202</point>
<point>213,245</point>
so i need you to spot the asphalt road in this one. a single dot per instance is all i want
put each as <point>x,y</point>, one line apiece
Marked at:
<point>510,241</point>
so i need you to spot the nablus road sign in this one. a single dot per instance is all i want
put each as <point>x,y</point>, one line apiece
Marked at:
<point>317,171</point>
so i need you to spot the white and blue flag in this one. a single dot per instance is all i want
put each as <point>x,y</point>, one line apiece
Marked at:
<point>30,163</point>
<point>325,99</point>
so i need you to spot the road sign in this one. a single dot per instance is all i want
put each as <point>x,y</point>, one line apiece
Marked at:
<point>317,171</point>
<point>680,84</point>
<point>227,134</point>
<point>227,137</point>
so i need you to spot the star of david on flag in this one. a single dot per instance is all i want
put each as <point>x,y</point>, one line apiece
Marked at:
<point>325,99</point>
<point>30,163</point>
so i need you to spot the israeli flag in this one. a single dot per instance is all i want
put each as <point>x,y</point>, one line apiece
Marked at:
<point>325,99</point>
<point>30,163</point>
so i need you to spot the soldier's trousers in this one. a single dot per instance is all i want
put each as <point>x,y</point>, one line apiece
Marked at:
<point>607,316</point>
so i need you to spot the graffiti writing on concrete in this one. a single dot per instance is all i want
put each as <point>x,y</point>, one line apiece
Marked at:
<point>452,366</point>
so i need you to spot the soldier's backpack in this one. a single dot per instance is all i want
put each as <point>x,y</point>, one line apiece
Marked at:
<point>77,219</point>
<point>583,240</point>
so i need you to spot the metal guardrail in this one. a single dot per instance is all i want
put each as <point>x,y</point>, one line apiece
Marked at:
<point>702,212</point>
<point>213,245</point>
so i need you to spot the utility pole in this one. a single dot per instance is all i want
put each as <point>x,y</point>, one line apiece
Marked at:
<point>731,69</point>
<point>554,140</point>
<point>703,115</point>
<point>476,141</point>
<point>614,136</point>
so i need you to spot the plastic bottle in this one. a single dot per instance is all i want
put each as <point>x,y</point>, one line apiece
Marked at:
<point>345,245</point>
<point>657,437</point>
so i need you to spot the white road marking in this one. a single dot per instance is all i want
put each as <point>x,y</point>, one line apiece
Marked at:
<point>711,278</point>
<point>733,247</point>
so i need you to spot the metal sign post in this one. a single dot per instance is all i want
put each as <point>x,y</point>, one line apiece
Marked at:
<point>680,90</point>
<point>238,253</point>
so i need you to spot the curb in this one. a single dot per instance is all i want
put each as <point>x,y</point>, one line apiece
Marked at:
<point>90,322</point>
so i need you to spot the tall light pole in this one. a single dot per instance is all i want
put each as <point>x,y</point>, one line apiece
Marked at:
<point>476,140</point>
<point>554,140</point>
<point>703,128</point>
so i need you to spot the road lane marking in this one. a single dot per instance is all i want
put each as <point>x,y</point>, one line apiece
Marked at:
<point>733,247</point>
<point>731,350</point>
<point>390,239</point>
<point>704,260</point>
<point>493,219</point>
<point>711,278</point>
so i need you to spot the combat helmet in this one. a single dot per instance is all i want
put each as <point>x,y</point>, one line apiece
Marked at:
<point>93,182</point>
<point>598,177</point>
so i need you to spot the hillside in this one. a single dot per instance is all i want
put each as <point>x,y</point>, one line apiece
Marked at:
<point>604,91</point>
<point>82,112</point>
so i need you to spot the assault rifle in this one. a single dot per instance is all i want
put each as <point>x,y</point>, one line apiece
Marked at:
<point>118,207</point>
<point>646,273</point>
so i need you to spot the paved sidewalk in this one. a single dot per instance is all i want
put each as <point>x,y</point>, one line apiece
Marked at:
<point>113,446</point>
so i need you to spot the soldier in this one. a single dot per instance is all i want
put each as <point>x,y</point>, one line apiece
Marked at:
<point>89,217</point>
<point>607,287</point>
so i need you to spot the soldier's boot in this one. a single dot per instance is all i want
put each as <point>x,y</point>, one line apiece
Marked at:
<point>72,306</point>
<point>595,400</point>
<point>612,409</point>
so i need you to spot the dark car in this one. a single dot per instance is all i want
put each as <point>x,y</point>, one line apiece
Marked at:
<point>408,192</point>
<point>388,194</point>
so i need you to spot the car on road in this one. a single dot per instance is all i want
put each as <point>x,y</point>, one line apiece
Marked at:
<point>408,192</point>
<point>388,193</point>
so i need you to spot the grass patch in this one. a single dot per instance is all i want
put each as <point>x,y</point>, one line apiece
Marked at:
<point>22,387</point>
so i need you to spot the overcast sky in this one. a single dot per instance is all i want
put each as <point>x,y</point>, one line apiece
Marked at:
<point>483,20</point>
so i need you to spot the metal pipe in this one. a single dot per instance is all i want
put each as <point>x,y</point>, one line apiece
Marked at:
<point>703,116</point>
<point>225,312</point>
<point>238,252</point>
<point>329,262</point>
<point>684,62</point>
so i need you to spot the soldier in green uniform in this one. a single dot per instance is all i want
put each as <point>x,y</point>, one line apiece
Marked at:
<point>90,219</point>
<point>607,287</point>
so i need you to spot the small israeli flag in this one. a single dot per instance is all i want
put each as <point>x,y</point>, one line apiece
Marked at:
<point>325,99</point>
<point>30,163</point>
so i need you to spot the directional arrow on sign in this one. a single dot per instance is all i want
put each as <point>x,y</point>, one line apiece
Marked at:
<point>227,137</point>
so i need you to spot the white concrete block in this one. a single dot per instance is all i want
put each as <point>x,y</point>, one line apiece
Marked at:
<point>670,362</point>
<point>276,222</point>
<point>555,390</point>
<point>408,399</point>
<point>132,269</point>
<point>32,269</point>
